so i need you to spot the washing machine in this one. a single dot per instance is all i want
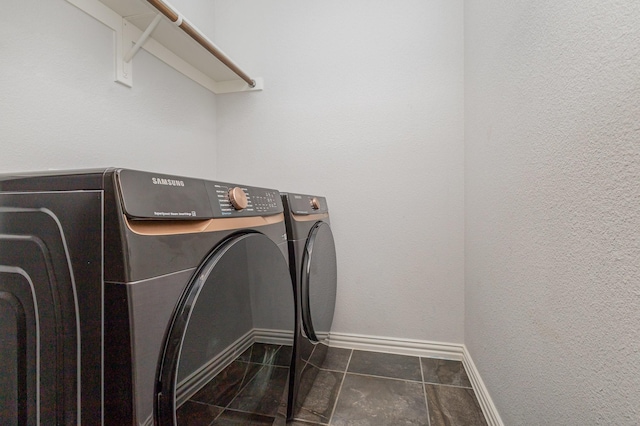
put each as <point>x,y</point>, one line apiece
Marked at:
<point>312,265</point>
<point>137,298</point>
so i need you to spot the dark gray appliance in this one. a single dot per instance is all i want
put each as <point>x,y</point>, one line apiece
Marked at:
<point>312,264</point>
<point>124,294</point>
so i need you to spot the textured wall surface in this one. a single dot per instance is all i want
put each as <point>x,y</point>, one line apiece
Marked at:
<point>552,187</point>
<point>60,108</point>
<point>363,103</point>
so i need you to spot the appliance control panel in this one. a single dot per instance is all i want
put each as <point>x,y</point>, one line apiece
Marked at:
<point>229,200</point>
<point>154,196</point>
<point>307,204</point>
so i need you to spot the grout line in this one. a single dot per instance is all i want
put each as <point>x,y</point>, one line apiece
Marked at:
<point>449,385</point>
<point>235,410</point>
<point>311,354</point>
<point>344,375</point>
<point>384,377</point>
<point>327,369</point>
<point>346,368</point>
<point>193,401</point>
<point>320,367</point>
<point>424,392</point>
<point>306,365</point>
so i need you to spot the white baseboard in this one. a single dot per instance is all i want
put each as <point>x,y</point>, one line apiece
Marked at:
<point>486,403</point>
<point>274,337</point>
<point>397,346</point>
<point>424,348</point>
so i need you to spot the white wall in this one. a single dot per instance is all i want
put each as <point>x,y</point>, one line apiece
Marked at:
<point>344,114</point>
<point>363,103</point>
<point>60,108</point>
<point>552,296</point>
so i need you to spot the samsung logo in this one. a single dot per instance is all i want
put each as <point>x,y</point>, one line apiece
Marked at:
<point>167,182</point>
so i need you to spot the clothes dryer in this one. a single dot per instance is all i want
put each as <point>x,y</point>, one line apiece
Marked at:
<point>129,298</point>
<point>312,264</point>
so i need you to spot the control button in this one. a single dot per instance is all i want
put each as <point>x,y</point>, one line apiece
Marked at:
<point>315,203</point>
<point>238,198</point>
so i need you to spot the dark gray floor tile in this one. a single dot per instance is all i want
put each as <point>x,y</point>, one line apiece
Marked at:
<point>196,414</point>
<point>450,405</point>
<point>335,359</point>
<point>385,365</point>
<point>305,384</point>
<point>263,393</point>
<point>445,372</point>
<point>321,394</point>
<point>376,401</point>
<point>306,348</point>
<point>264,353</point>
<point>283,356</point>
<point>319,354</point>
<point>246,355</point>
<point>226,385</point>
<point>231,418</point>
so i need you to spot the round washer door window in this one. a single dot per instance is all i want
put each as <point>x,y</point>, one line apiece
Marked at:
<point>229,344</point>
<point>318,284</point>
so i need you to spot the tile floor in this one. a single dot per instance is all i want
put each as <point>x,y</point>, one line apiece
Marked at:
<point>355,387</point>
<point>249,391</point>
<point>351,387</point>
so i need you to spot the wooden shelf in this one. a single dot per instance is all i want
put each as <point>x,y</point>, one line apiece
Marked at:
<point>182,47</point>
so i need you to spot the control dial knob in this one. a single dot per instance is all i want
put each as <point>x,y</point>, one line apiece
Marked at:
<point>315,203</point>
<point>238,198</point>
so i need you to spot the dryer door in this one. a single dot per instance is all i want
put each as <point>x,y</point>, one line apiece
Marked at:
<point>318,283</point>
<point>229,345</point>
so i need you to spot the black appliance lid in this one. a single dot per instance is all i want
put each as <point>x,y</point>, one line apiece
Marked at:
<point>157,196</point>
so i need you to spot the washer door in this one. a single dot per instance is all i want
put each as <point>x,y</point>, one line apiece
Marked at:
<point>318,283</point>
<point>228,348</point>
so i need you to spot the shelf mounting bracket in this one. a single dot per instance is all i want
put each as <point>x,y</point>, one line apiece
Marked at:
<point>143,38</point>
<point>129,38</point>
